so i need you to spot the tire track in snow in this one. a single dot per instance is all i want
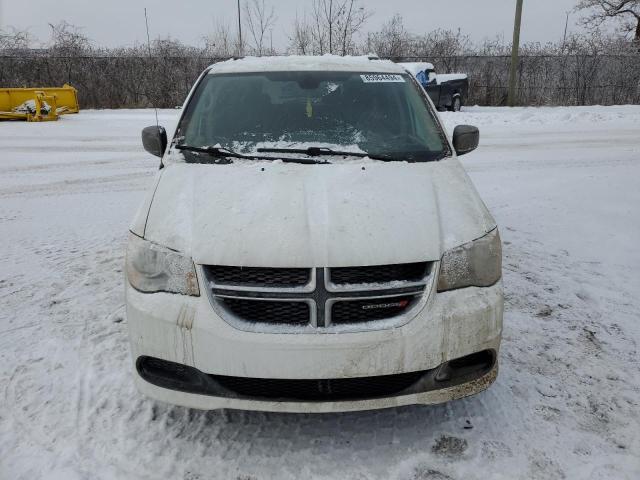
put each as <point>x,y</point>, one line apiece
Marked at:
<point>112,183</point>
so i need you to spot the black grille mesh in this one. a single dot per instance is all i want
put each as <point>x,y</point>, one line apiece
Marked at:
<point>259,277</point>
<point>409,272</point>
<point>285,313</point>
<point>357,311</point>
<point>279,306</point>
<point>310,390</point>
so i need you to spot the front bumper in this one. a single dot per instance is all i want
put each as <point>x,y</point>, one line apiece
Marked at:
<point>186,330</point>
<point>212,402</point>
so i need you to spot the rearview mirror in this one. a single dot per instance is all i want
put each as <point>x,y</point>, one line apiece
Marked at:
<point>465,139</point>
<point>154,140</point>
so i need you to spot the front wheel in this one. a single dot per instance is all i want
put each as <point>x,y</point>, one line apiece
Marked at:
<point>456,106</point>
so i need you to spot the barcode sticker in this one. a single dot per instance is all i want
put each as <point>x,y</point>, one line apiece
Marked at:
<point>381,78</point>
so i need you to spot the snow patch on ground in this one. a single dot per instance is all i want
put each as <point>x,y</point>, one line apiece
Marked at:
<point>562,183</point>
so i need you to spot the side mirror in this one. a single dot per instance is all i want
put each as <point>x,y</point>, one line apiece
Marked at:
<point>154,140</point>
<point>465,139</point>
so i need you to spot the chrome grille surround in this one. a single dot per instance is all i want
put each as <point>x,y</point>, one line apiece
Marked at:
<point>321,295</point>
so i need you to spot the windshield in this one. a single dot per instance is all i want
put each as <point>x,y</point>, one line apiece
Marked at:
<point>382,115</point>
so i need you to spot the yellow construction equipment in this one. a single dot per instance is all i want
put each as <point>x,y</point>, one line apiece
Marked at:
<point>37,104</point>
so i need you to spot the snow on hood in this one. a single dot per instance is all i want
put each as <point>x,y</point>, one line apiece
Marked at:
<point>276,214</point>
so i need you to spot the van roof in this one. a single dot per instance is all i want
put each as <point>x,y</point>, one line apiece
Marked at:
<point>307,63</point>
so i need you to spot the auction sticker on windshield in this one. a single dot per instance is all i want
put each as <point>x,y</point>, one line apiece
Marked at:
<point>381,78</point>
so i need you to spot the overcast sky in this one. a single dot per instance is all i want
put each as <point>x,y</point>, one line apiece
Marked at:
<point>121,22</point>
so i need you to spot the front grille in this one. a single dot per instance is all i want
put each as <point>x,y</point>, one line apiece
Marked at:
<point>340,296</point>
<point>405,272</point>
<point>356,311</point>
<point>319,390</point>
<point>285,313</point>
<point>259,277</point>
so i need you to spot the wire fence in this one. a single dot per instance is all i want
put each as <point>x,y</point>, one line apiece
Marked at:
<point>548,79</point>
<point>108,81</point>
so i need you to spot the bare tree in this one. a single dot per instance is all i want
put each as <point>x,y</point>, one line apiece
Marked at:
<point>599,11</point>
<point>446,45</point>
<point>391,41</point>
<point>221,43</point>
<point>353,19</point>
<point>12,39</point>
<point>335,24</point>
<point>68,40</point>
<point>68,44</point>
<point>318,28</point>
<point>301,41</point>
<point>260,19</point>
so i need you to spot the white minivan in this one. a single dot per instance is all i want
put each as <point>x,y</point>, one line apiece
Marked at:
<point>312,244</point>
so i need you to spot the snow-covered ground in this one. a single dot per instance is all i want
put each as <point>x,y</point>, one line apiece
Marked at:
<point>563,185</point>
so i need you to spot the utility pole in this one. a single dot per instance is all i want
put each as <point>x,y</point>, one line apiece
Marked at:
<point>514,54</point>
<point>566,27</point>
<point>240,49</point>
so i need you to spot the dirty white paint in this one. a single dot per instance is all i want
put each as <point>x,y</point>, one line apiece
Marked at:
<point>289,215</point>
<point>450,325</point>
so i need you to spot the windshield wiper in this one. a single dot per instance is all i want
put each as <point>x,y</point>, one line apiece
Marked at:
<point>318,151</point>
<point>313,151</point>
<point>221,152</point>
<point>217,152</point>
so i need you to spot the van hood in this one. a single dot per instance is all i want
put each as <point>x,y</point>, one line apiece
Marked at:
<point>272,214</point>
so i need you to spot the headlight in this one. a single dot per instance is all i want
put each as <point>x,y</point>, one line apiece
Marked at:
<point>474,264</point>
<point>152,268</point>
